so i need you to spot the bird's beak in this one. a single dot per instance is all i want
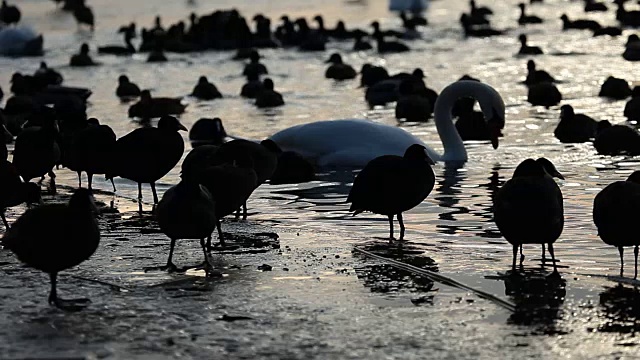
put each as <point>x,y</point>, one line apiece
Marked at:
<point>181,127</point>
<point>494,134</point>
<point>556,173</point>
<point>428,158</point>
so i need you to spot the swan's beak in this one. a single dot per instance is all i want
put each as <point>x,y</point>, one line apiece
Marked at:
<point>494,134</point>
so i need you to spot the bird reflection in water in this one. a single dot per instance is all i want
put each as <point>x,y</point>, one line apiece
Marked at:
<point>384,278</point>
<point>538,298</point>
<point>621,307</point>
<point>448,194</point>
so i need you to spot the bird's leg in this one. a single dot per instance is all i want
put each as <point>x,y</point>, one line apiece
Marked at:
<point>170,267</point>
<point>521,255</point>
<point>140,197</point>
<point>62,304</point>
<point>515,254</point>
<point>90,180</point>
<point>52,183</point>
<point>220,237</point>
<point>399,216</point>
<point>207,265</point>
<point>155,194</point>
<point>244,211</point>
<point>391,238</point>
<point>79,179</point>
<point>621,251</point>
<point>209,247</point>
<point>113,184</point>
<point>543,254</point>
<point>635,253</point>
<point>4,220</point>
<point>553,258</point>
<point>237,213</point>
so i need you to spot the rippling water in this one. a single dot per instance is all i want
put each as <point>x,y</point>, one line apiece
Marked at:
<point>455,221</point>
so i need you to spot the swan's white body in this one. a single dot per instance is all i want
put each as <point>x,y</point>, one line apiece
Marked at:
<point>14,41</point>
<point>355,142</point>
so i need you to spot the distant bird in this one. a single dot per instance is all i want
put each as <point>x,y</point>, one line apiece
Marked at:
<point>252,87</point>
<point>156,55</point>
<point>371,74</point>
<point>390,185</point>
<point>56,237</point>
<point>147,154</point>
<point>616,139</point>
<point>47,75</point>
<point>479,10</point>
<point>205,90</point>
<point>527,19</point>
<point>615,88</point>
<point>83,58</point>
<point>84,15</point>
<point>471,31</point>
<point>592,5</point>
<point>412,106</point>
<point>387,47</point>
<point>207,131</point>
<point>526,49</point>
<point>614,210</point>
<point>129,34</point>
<point>254,66</point>
<point>580,24</point>
<point>627,18</point>
<point>13,191</point>
<point>544,94</point>
<point>528,208</point>
<point>91,150</point>
<point>360,44</point>
<point>412,22</point>
<point>126,90</point>
<point>268,97</point>
<point>574,128</point>
<point>9,14</point>
<point>339,70</point>
<point>187,211</point>
<point>632,107</point>
<point>607,30</point>
<point>535,76</point>
<point>154,107</point>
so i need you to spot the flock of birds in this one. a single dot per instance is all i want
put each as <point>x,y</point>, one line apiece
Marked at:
<point>51,128</point>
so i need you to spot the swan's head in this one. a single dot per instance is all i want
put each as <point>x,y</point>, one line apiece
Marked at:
<point>493,110</point>
<point>419,153</point>
<point>634,177</point>
<point>549,168</point>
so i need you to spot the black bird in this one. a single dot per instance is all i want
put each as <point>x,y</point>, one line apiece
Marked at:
<point>615,88</point>
<point>13,191</point>
<point>390,184</point>
<point>544,93</point>
<point>535,76</point>
<point>387,47</point>
<point>126,89</point>
<point>147,154</point>
<point>592,5</point>
<point>154,107</point>
<point>575,128</point>
<point>84,15</point>
<point>47,75</point>
<point>82,59</point>
<point>292,168</point>
<point>614,210</point>
<point>91,150</point>
<point>254,66</point>
<point>616,139</point>
<point>207,131</point>
<point>37,151</point>
<point>607,30</point>
<point>252,87</point>
<point>371,74</point>
<point>471,31</point>
<point>580,24</point>
<point>526,49</point>
<point>527,19</point>
<point>632,107</point>
<point>339,70</point>
<point>412,106</point>
<point>627,18</point>
<point>9,14</point>
<point>56,237</point>
<point>268,97</point>
<point>187,211</point>
<point>528,209</point>
<point>360,44</point>
<point>129,34</point>
<point>479,10</point>
<point>205,90</point>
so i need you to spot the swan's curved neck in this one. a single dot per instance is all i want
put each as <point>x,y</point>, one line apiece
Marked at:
<point>454,149</point>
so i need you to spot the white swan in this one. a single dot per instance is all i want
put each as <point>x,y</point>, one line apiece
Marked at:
<point>355,142</point>
<point>20,41</point>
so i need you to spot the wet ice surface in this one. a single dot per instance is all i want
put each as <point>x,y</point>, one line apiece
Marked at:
<point>313,304</point>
